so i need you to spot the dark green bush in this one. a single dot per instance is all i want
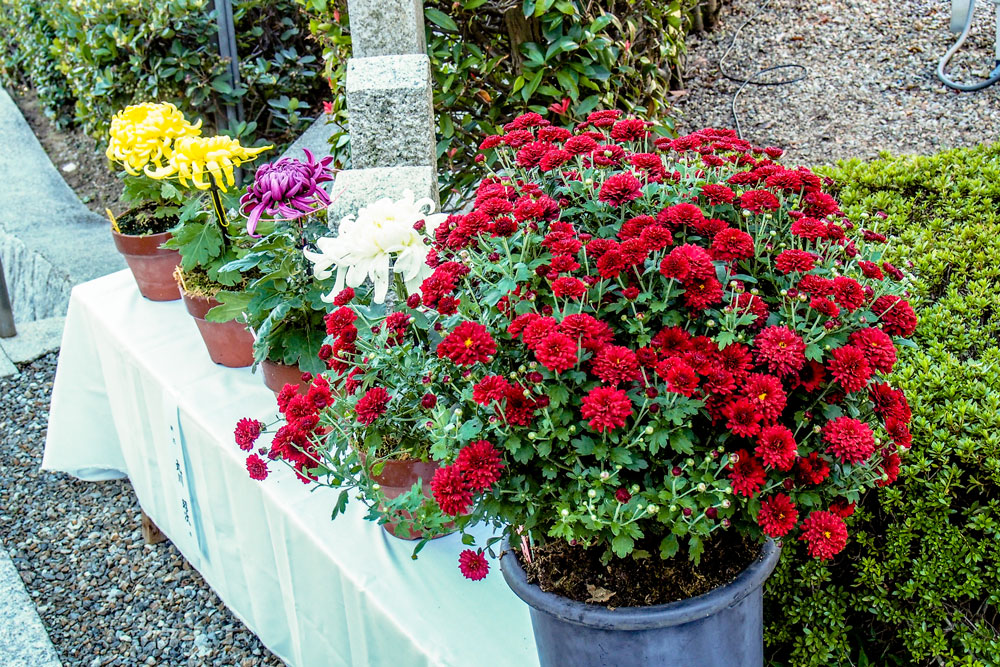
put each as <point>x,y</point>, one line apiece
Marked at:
<point>495,59</point>
<point>920,580</point>
<point>89,58</point>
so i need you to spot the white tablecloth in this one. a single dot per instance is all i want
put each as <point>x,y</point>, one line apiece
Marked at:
<point>135,394</point>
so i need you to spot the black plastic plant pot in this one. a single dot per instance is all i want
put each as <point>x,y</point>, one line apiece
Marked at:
<point>722,628</point>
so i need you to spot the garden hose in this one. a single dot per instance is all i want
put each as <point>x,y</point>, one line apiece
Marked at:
<point>803,72</point>
<point>994,75</point>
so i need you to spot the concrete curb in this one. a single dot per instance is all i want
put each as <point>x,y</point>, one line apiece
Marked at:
<point>24,641</point>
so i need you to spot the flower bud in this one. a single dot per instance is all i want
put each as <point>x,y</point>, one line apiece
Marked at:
<point>591,493</point>
<point>564,512</point>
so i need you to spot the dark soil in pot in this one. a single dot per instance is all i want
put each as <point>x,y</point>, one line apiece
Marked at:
<point>720,628</point>
<point>577,573</point>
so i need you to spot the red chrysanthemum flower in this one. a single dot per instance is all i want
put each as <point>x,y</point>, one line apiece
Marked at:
<point>701,294</point>
<point>849,440</point>
<point>809,228</point>
<point>450,490</point>
<point>372,405</point>
<point>890,469</point>
<point>679,376</point>
<point>776,447</point>
<point>877,347</point>
<point>473,565</point>
<point>480,463</point>
<point>568,287</point>
<point>615,364</point>
<point>557,352</point>
<point>795,261</point>
<point>825,534</point>
<point>812,469</point>
<point>606,408</point>
<point>766,394</point>
<point>848,293</point>
<point>781,350</point>
<point>491,388</point>
<point>743,418</point>
<point>339,320</point>
<point>730,244</point>
<point>620,189</point>
<point>850,368</point>
<point>247,432</point>
<point>899,432</point>
<point>896,314</point>
<point>467,344</point>
<point>257,467</point>
<point>680,215</point>
<point>871,270</point>
<point>824,306</point>
<point>890,403</point>
<point>717,195</point>
<point>759,201</point>
<point>747,474</point>
<point>777,515</point>
<point>842,508</point>
<point>590,332</point>
<point>343,297</point>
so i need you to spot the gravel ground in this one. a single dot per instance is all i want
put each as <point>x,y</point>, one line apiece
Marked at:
<point>871,83</point>
<point>104,596</point>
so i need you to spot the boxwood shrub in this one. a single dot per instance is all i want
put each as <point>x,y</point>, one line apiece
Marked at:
<point>920,580</point>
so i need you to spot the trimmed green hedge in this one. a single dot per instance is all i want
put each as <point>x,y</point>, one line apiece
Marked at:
<point>920,580</point>
<point>88,58</point>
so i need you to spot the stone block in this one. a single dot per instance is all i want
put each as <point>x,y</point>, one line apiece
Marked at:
<point>316,138</point>
<point>355,188</point>
<point>390,112</point>
<point>386,27</point>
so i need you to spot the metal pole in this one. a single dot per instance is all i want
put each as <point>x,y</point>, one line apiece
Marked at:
<point>227,49</point>
<point>7,329</point>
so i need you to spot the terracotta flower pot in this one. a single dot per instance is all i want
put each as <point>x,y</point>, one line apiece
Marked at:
<point>398,477</point>
<point>152,266</point>
<point>277,375</point>
<point>229,343</point>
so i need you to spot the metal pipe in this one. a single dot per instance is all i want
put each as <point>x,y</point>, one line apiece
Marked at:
<point>7,328</point>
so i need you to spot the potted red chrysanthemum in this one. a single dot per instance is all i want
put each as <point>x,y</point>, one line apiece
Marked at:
<point>646,360</point>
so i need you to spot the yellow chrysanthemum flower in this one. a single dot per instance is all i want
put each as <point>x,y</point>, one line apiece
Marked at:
<point>192,158</point>
<point>141,134</point>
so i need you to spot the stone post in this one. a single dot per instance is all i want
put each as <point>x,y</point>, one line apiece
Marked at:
<point>389,107</point>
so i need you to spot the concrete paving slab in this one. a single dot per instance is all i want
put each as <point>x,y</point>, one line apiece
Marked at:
<point>7,367</point>
<point>49,241</point>
<point>24,642</point>
<point>34,339</point>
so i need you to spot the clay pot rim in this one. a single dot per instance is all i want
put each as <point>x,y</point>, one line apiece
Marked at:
<point>639,618</point>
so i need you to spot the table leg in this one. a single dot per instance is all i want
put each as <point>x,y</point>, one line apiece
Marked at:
<point>150,533</point>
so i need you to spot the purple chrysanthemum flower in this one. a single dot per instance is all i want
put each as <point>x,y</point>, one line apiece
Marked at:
<point>289,187</point>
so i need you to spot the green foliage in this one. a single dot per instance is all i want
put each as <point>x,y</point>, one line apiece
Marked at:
<point>281,301</point>
<point>919,581</point>
<point>494,60</point>
<point>89,58</point>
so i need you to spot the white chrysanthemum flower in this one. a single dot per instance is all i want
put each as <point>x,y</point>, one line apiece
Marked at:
<point>381,237</point>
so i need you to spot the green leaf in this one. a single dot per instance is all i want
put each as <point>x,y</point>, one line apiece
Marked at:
<point>695,549</point>
<point>231,306</point>
<point>669,547</point>
<point>341,505</point>
<point>440,19</point>
<point>622,545</point>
